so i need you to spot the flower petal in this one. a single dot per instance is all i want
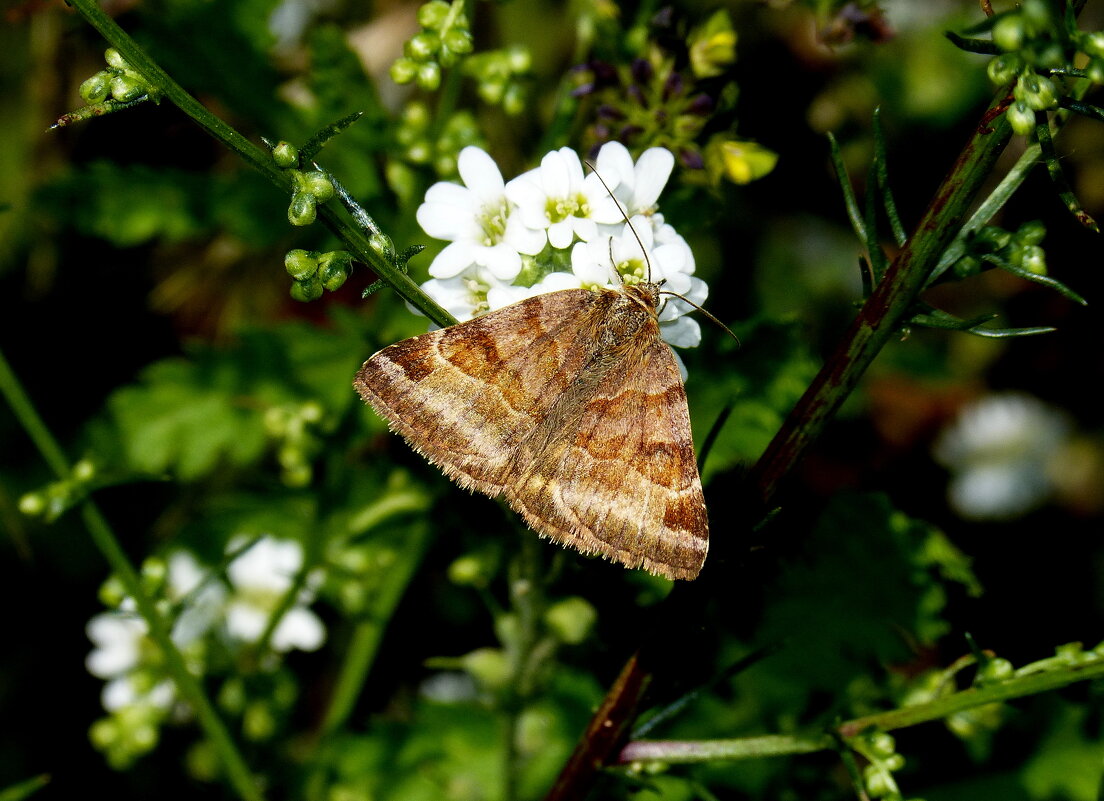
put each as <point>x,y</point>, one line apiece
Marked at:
<point>480,174</point>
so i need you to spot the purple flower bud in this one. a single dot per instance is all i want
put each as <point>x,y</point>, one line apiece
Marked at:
<point>691,159</point>
<point>673,86</point>
<point>636,94</point>
<point>583,90</point>
<point>607,111</point>
<point>664,18</point>
<point>628,133</point>
<point>700,105</point>
<point>642,71</point>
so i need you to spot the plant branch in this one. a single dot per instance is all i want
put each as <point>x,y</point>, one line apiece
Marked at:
<point>258,158</point>
<point>691,751</point>
<point>237,772</point>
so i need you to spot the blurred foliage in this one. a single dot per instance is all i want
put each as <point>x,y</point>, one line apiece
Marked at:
<point>145,304</point>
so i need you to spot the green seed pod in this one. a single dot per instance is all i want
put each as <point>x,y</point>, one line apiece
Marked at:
<point>1008,32</point>
<point>1021,118</point>
<point>308,290</point>
<point>115,59</point>
<point>302,210</point>
<point>1030,233</point>
<point>126,87</point>
<point>300,264</point>
<point>1004,68</point>
<point>881,743</point>
<point>422,46</point>
<point>403,70</point>
<point>996,669</point>
<point>967,266</point>
<point>97,88</point>
<point>316,183</point>
<point>433,14</point>
<point>429,76</point>
<point>32,504</point>
<point>286,155</point>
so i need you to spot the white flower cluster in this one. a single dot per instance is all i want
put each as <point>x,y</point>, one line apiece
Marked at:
<point>553,228</point>
<point>259,577</point>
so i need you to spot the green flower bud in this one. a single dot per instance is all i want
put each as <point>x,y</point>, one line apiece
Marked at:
<point>316,183</point>
<point>488,666</point>
<point>1092,44</point>
<point>491,92</point>
<point>967,266</point>
<point>1030,233</point>
<point>445,164</point>
<point>507,628</point>
<point>996,669</point>
<point>571,620</point>
<point>308,290</point>
<point>877,782</point>
<point>1095,70</point>
<point>312,411</point>
<point>1032,259</point>
<point>302,210</point>
<point>127,87</point>
<point>153,572</point>
<point>419,152</point>
<point>1037,15</point>
<point>990,239</point>
<point>258,723</point>
<point>1008,32</point>
<point>300,264</point>
<point>470,570</point>
<point>1021,118</point>
<point>334,268</point>
<point>513,101</point>
<point>429,76</point>
<point>232,696</point>
<point>84,470</point>
<point>416,115</point>
<point>1004,68</point>
<point>111,592</point>
<point>32,504</point>
<point>1036,91</point>
<point>894,762</point>
<point>403,70</point>
<point>1049,57</point>
<point>97,88</point>
<point>115,59</point>
<point>881,743</point>
<point>103,733</point>
<point>286,155</point>
<point>382,245</point>
<point>458,41</point>
<point>433,14</point>
<point>422,46</point>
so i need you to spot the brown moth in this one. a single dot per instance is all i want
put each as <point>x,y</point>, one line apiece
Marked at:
<point>571,407</point>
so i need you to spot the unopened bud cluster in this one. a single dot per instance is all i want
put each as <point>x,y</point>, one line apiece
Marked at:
<point>423,144</point>
<point>314,272</point>
<point>444,38</point>
<point>118,81</point>
<point>1021,249</point>
<point>1034,46</point>
<point>292,428</point>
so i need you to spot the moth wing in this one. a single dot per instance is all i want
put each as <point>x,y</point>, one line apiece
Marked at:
<point>466,395</point>
<point>625,485</point>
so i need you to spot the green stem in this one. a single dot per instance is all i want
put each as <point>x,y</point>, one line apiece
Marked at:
<point>103,537</point>
<point>355,240</point>
<point>685,752</point>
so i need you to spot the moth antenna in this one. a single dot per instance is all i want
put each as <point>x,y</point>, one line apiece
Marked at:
<point>685,299</point>
<point>625,215</point>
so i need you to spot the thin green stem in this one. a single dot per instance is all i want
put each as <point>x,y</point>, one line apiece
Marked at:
<point>355,240</point>
<point>685,752</point>
<point>104,538</point>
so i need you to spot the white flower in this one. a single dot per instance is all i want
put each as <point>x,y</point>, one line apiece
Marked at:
<point>639,185</point>
<point>557,198</point>
<point>1001,451</point>
<point>200,595</point>
<point>478,220</point>
<point>118,638</point>
<point>261,577</point>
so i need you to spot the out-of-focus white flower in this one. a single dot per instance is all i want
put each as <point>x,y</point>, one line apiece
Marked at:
<point>479,221</point>
<point>1001,452</point>
<point>260,578</point>
<point>200,595</point>
<point>118,638</point>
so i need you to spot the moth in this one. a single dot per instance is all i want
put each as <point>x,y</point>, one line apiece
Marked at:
<point>568,405</point>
